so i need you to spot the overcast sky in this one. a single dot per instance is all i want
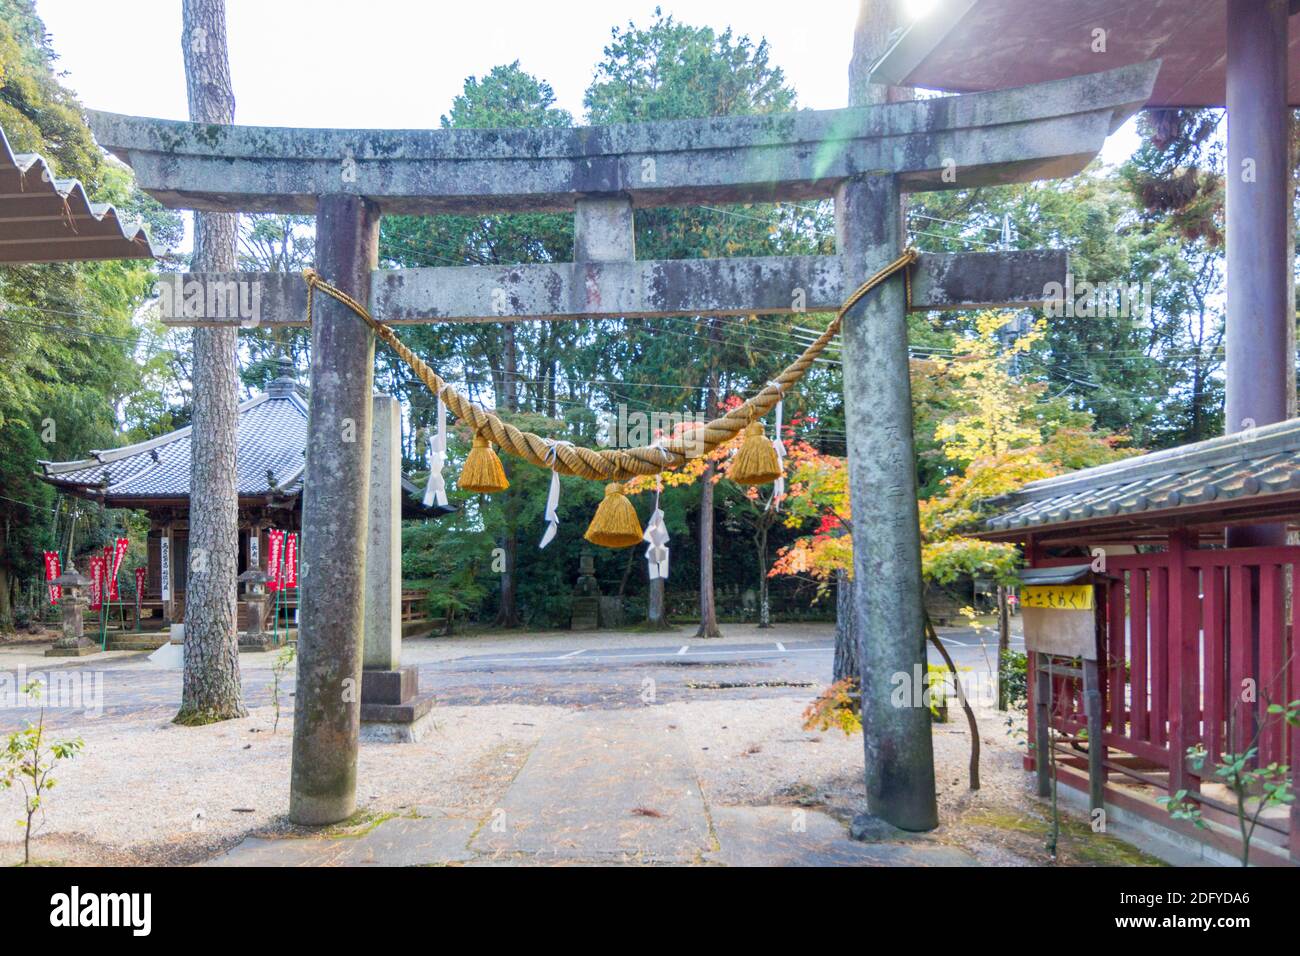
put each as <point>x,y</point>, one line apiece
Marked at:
<point>399,63</point>
<point>388,63</point>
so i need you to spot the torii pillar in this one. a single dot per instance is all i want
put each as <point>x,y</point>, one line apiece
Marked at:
<point>887,588</point>
<point>327,721</point>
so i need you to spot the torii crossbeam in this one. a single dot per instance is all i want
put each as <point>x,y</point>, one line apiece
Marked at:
<point>862,157</point>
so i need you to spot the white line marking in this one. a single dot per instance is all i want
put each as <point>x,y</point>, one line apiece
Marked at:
<point>683,650</point>
<point>570,654</point>
<point>626,657</point>
<point>780,647</point>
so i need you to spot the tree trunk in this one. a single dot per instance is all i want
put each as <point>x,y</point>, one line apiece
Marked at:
<point>974,767</point>
<point>508,398</point>
<point>846,642</point>
<point>764,607</point>
<point>708,604</point>
<point>508,612</point>
<point>1004,644</point>
<point>877,20</point>
<point>6,607</point>
<point>211,687</point>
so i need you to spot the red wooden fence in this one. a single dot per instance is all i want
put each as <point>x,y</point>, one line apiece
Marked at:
<point>1185,662</point>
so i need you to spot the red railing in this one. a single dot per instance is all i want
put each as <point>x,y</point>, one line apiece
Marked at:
<point>1197,644</point>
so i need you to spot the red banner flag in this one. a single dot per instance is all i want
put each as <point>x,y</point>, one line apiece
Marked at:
<point>140,575</point>
<point>291,561</point>
<point>52,570</point>
<point>118,552</point>
<point>97,572</point>
<point>274,550</point>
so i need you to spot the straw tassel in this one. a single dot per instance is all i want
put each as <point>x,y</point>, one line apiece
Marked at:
<point>615,524</point>
<point>757,462</point>
<point>483,471</point>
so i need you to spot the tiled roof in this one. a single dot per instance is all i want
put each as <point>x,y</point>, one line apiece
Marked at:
<point>271,450</point>
<point>1249,470</point>
<point>47,219</point>
<point>272,437</point>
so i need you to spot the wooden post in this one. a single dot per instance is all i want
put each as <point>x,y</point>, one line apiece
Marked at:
<point>1096,742</point>
<point>1042,723</point>
<point>882,488</point>
<point>1293,683</point>
<point>166,580</point>
<point>1184,699</point>
<point>327,716</point>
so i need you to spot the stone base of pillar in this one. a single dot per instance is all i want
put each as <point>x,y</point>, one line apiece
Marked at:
<point>254,643</point>
<point>73,650</point>
<point>392,708</point>
<point>129,642</point>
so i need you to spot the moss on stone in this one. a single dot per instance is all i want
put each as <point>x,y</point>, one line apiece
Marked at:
<point>359,824</point>
<point>1078,845</point>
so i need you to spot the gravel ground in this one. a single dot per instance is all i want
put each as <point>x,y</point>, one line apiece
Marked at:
<point>146,791</point>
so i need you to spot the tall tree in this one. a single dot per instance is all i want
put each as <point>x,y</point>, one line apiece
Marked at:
<point>73,361</point>
<point>708,599</point>
<point>211,686</point>
<point>519,361</point>
<point>671,70</point>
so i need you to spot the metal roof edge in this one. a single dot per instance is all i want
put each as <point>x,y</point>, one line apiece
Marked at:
<point>73,193</point>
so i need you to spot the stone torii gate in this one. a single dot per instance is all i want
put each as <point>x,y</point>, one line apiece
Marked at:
<point>863,157</point>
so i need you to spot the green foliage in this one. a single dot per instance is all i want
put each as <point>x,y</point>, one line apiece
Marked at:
<point>75,364</point>
<point>568,377</point>
<point>78,355</point>
<point>36,112</point>
<point>670,70</point>
<point>1150,373</point>
<point>29,760</point>
<point>279,667</point>
<point>1015,677</point>
<point>1254,788</point>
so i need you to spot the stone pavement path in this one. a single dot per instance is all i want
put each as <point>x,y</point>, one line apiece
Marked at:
<point>602,787</point>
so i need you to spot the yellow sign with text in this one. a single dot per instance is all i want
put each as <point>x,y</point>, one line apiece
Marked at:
<point>1061,597</point>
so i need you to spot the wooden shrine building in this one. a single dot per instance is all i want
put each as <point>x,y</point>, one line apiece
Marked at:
<point>154,477</point>
<point>1195,637</point>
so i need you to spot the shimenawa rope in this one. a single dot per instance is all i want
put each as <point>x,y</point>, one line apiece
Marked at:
<point>612,464</point>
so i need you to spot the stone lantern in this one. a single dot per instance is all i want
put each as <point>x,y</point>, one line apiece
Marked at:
<point>586,596</point>
<point>72,609</point>
<point>255,638</point>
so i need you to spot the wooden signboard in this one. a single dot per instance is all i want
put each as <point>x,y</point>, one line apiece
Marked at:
<point>1059,619</point>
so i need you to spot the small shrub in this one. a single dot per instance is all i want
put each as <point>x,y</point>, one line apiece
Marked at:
<point>835,708</point>
<point>28,761</point>
<point>1015,677</point>
<point>282,662</point>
